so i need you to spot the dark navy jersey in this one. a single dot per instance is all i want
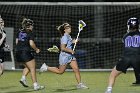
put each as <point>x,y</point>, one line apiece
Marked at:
<point>3,44</point>
<point>23,40</point>
<point>131,42</point>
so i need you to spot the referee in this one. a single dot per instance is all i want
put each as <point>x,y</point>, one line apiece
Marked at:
<point>131,53</point>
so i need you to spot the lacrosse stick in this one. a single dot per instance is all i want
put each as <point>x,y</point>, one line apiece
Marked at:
<point>82,24</point>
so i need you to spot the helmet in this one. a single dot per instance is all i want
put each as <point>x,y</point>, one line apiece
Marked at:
<point>133,23</point>
<point>26,23</point>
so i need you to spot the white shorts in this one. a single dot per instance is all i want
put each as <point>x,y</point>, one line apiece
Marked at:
<point>65,58</point>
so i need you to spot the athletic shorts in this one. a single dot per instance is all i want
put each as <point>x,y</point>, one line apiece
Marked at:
<point>65,58</point>
<point>2,55</point>
<point>128,61</point>
<point>24,56</point>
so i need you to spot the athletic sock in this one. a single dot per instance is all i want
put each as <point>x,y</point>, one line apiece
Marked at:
<point>109,88</point>
<point>23,77</point>
<point>35,84</point>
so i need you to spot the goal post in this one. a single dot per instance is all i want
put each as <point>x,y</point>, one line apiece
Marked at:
<point>9,63</point>
<point>99,45</point>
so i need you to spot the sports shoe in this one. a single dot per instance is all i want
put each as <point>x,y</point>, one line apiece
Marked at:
<point>136,83</point>
<point>38,87</point>
<point>23,83</point>
<point>43,68</point>
<point>81,86</point>
<point>108,91</point>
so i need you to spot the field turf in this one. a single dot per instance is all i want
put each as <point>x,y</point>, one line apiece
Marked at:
<point>96,81</point>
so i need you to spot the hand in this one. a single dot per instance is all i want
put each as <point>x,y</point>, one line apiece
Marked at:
<point>37,50</point>
<point>75,40</point>
<point>72,52</point>
<point>7,46</point>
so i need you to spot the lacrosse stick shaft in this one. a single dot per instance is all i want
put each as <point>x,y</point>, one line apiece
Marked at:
<point>76,40</point>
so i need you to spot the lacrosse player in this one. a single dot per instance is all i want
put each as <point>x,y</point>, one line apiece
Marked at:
<point>24,43</point>
<point>2,45</point>
<point>131,53</point>
<point>66,56</point>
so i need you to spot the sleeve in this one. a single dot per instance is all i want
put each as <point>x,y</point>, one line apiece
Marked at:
<point>64,40</point>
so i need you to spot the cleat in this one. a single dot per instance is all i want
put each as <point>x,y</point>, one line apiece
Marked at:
<point>43,68</point>
<point>136,83</point>
<point>81,86</point>
<point>23,83</point>
<point>108,91</point>
<point>38,87</point>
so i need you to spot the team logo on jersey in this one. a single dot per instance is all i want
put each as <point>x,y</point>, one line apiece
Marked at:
<point>22,36</point>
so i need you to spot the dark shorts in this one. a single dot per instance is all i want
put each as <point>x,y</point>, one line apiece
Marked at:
<point>2,55</point>
<point>24,56</point>
<point>128,61</point>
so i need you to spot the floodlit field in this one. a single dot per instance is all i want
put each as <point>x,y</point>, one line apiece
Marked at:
<point>96,81</point>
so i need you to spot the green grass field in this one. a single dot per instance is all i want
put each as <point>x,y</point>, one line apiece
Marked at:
<point>96,81</point>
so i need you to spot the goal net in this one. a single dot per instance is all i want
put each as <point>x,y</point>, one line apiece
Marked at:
<point>100,43</point>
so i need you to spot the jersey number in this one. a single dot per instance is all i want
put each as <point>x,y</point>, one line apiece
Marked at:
<point>132,41</point>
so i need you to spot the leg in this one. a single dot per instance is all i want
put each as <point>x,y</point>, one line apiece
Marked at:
<point>23,78</point>
<point>1,68</point>
<point>137,76</point>
<point>75,68</point>
<point>136,66</point>
<point>112,79</point>
<point>25,71</point>
<point>31,65</point>
<point>59,70</point>
<point>56,70</point>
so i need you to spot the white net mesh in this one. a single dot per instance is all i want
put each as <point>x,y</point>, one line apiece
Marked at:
<point>100,41</point>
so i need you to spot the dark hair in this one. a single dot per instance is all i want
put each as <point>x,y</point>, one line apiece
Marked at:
<point>62,27</point>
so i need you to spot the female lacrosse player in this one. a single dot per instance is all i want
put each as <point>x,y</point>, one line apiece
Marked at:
<point>2,45</point>
<point>66,56</point>
<point>24,43</point>
<point>25,70</point>
<point>131,54</point>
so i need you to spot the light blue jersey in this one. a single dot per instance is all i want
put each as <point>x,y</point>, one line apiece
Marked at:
<point>65,57</point>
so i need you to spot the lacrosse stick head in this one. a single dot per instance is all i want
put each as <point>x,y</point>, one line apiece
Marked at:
<point>82,24</point>
<point>53,49</point>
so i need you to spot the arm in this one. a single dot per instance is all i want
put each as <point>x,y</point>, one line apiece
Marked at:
<point>16,41</point>
<point>63,48</point>
<point>32,44</point>
<point>2,39</point>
